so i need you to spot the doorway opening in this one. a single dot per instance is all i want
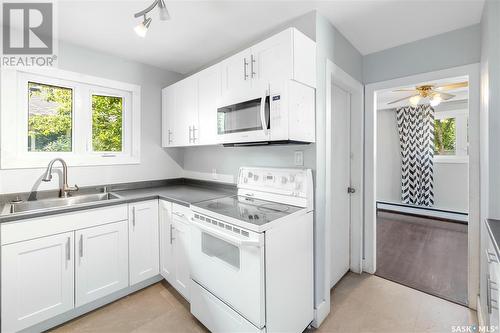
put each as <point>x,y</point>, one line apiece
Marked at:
<point>422,186</point>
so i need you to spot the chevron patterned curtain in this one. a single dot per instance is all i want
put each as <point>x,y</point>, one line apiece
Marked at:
<point>416,137</point>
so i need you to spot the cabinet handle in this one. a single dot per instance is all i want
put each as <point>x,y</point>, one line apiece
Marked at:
<point>492,258</point>
<point>133,217</point>
<point>171,233</point>
<point>169,136</point>
<point>245,64</point>
<point>179,214</point>
<point>252,61</point>
<point>68,249</point>
<point>81,246</point>
<point>190,135</point>
<point>194,134</point>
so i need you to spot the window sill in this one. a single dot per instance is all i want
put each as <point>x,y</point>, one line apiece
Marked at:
<point>451,159</point>
<point>41,161</point>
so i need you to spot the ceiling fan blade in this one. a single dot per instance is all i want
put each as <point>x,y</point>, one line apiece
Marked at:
<point>451,86</point>
<point>402,99</point>
<point>446,96</point>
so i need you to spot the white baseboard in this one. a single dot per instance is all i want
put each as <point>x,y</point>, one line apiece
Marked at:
<point>320,313</point>
<point>436,213</point>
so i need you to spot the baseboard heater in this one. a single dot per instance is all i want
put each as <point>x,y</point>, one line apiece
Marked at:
<point>449,215</point>
<point>265,143</point>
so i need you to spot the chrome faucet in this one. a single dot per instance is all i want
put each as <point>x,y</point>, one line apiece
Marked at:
<point>66,189</point>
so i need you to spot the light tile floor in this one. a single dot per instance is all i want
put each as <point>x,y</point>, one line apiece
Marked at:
<point>360,303</point>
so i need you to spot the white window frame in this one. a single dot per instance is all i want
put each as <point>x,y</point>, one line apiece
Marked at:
<point>14,118</point>
<point>461,143</point>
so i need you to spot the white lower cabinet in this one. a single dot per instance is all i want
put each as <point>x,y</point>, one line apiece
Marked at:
<point>102,261</point>
<point>167,259</point>
<point>174,245</point>
<point>144,249</point>
<point>37,280</point>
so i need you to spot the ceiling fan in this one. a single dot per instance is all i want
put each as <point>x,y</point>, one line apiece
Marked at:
<point>434,93</point>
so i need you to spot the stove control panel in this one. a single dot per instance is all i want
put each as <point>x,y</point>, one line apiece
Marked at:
<point>291,182</point>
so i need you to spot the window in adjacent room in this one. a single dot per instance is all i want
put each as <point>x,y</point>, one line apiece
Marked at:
<point>451,136</point>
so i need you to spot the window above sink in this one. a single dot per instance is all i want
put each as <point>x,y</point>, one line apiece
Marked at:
<point>52,113</point>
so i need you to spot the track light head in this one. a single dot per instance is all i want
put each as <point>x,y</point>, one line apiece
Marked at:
<point>142,28</point>
<point>164,14</point>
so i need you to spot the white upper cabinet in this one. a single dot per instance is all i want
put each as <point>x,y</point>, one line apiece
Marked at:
<point>168,118</point>
<point>186,111</point>
<point>190,106</point>
<point>271,60</point>
<point>208,94</point>
<point>236,76</point>
<point>37,280</point>
<point>144,252</point>
<point>102,261</point>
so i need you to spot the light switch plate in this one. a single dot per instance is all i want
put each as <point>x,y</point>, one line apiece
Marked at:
<point>299,158</point>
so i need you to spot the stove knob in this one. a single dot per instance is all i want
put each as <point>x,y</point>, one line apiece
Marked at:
<point>292,178</point>
<point>283,180</point>
<point>250,175</point>
<point>255,177</point>
<point>245,180</point>
<point>256,217</point>
<point>250,217</point>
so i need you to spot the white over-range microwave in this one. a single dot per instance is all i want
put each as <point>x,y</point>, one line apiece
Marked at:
<point>272,114</point>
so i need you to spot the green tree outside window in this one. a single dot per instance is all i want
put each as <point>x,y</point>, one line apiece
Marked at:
<point>445,136</point>
<point>107,113</point>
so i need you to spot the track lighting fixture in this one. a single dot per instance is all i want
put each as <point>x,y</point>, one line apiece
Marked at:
<point>142,28</point>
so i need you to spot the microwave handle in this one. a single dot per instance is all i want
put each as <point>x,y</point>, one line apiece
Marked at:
<point>225,237</point>
<point>263,111</point>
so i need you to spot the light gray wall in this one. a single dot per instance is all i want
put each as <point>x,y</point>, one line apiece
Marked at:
<point>156,163</point>
<point>451,49</point>
<point>490,130</point>
<point>330,44</point>
<point>450,179</point>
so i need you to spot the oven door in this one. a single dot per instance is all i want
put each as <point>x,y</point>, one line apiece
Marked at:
<point>246,121</point>
<point>229,263</point>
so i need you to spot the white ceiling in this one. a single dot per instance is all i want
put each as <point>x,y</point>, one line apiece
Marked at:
<point>203,31</point>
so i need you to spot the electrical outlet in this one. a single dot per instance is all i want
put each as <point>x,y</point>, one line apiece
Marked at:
<point>299,158</point>
<point>214,173</point>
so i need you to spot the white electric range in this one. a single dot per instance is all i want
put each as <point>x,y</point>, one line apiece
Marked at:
<point>252,254</point>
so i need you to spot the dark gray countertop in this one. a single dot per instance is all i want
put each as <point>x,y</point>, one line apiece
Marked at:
<point>493,227</point>
<point>183,192</point>
<point>180,194</point>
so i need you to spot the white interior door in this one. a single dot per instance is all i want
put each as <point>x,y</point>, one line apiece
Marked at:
<point>341,181</point>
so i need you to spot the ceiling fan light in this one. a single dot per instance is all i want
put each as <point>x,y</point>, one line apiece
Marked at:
<point>142,28</point>
<point>436,100</point>
<point>163,11</point>
<point>414,100</point>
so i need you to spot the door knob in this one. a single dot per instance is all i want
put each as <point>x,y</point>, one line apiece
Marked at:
<point>351,190</point>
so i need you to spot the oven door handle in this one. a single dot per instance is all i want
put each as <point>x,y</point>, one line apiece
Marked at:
<point>225,237</point>
<point>263,110</point>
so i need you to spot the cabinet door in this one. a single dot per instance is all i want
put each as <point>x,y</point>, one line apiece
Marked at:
<point>102,261</point>
<point>272,60</point>
<point>235,75</point>
<point>167,259</point>
<point>37,280</point>
<point>186,111</point>
<point>208,94</point>
<point>180,219</point>
<point>144,251</point>
<point>168,116</point>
